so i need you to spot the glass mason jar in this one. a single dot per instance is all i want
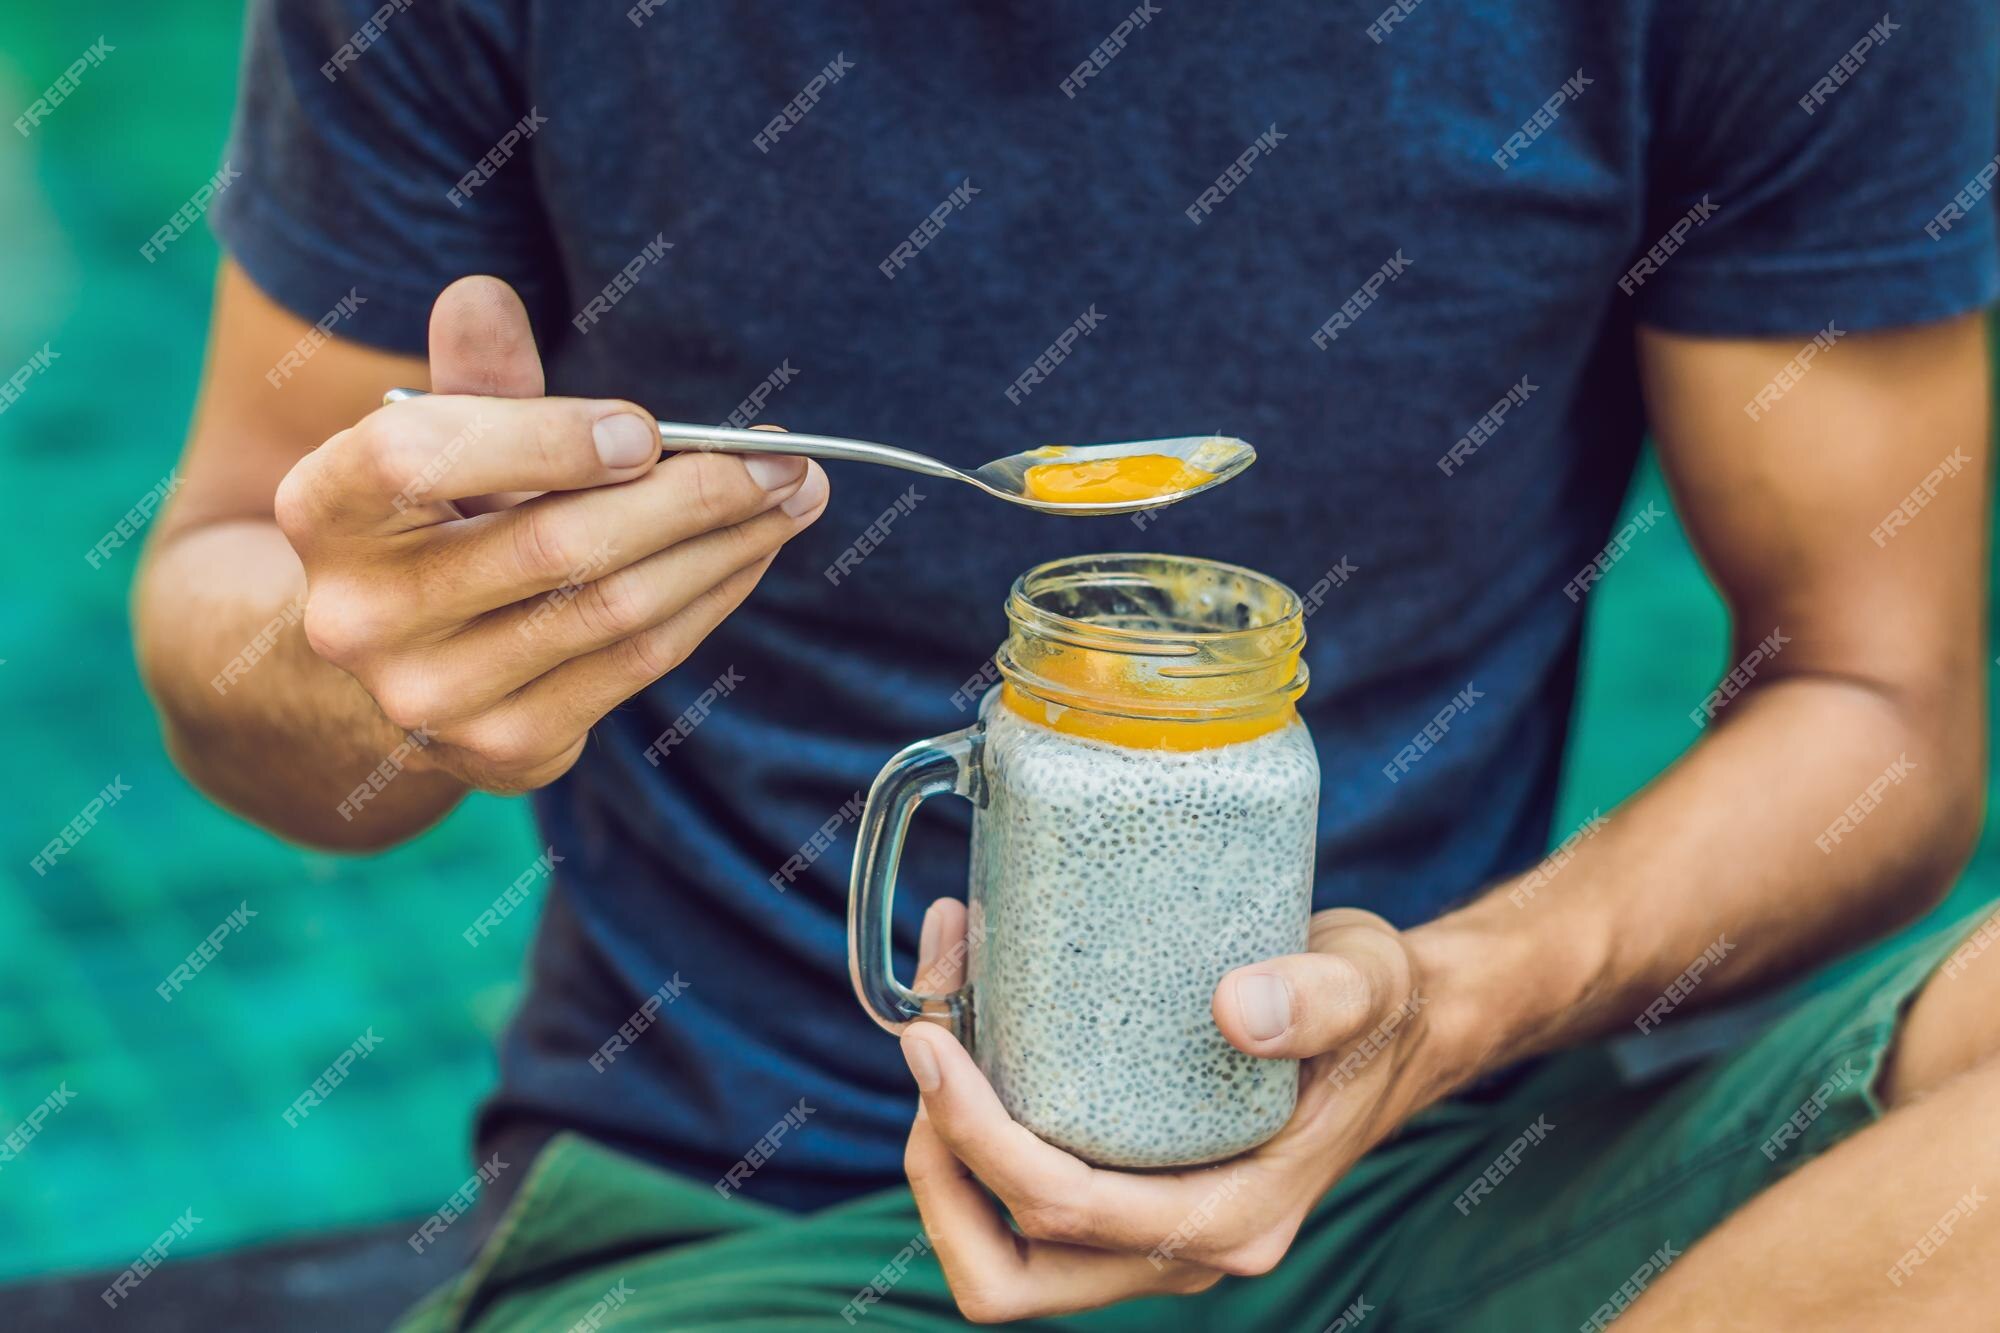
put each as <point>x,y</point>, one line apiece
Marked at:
<point>1145,804</point>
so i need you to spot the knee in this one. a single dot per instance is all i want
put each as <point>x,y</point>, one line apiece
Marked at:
<point>1953,1025</point>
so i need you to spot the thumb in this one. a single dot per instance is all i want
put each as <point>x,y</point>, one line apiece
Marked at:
<point>1307,1004</point>
<point>482,343</point>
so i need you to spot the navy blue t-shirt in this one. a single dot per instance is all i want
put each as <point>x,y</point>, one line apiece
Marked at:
<point>1436,218</point>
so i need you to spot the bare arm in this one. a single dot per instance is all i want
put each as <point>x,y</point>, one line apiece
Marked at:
<point>1875,659</point>
<point>283,737</point>
<point>1763,847</point>
<point>351,614</point>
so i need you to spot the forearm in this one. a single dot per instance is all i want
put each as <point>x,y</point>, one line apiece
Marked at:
<point>251,715</point>
<point>1727,858</point>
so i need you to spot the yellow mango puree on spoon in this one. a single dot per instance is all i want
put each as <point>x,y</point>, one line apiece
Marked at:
<point>1135,477</point>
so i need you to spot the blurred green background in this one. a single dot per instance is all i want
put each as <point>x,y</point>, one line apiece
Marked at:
<point>179,1105</point>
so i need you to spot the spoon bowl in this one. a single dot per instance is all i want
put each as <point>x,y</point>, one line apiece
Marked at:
<point>1222,456</point>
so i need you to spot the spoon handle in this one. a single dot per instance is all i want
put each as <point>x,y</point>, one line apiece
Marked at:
<point>728,440</point>
<point>682,437</point>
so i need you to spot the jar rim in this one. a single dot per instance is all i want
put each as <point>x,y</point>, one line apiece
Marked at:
<point>1024,609</point>
<point>1194,666</point>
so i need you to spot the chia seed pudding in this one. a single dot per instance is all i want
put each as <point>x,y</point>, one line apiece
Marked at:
<point>1111,888</point>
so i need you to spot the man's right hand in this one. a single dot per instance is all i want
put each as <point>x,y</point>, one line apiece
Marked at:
<point>501,569</point>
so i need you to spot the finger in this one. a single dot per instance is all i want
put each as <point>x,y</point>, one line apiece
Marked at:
<point>401,457</point>
<point>1206,1215</point>
<point>941,949</point>
<point>467,673</point>
<point>1052,1195</point>
<point>569,541</point>
<point>482,343</point>
<point>1215,1218</point>
<point>574,696</point>
<point>996,1275</point>
<point>968,1229</point>
<point>550,711</point>
<point>500,652</point>
<point>1307,1004</point>
<point>1028,1174</point>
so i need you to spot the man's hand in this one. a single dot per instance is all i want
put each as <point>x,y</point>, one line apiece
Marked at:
<point>501,570</point>
<point>1351,1010</point>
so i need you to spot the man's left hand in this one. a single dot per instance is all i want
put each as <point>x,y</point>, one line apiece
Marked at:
<point>1350,1009</point>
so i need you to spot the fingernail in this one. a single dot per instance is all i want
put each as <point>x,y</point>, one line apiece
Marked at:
<point>773,470</point>
<point>927,948</point>
<point>923,1065</point>
<point>1266,1002</point>
<point>624,440</point>
<point>808,496</point>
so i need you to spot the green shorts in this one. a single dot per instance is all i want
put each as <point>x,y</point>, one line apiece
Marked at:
<point>1545,1206</point>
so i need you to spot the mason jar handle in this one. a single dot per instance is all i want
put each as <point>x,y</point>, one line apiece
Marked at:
<point>927,768</point>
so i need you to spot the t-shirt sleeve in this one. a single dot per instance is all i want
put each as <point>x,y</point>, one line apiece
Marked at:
<point>384,149</point>
<point>1830,162</point>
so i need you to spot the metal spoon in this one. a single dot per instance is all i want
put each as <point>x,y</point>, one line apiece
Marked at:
<point>1003,478</point>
